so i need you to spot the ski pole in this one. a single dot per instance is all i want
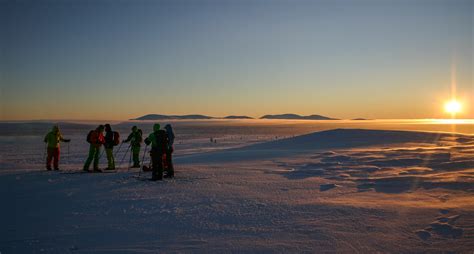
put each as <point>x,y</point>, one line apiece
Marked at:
<point>129,160</point>
<point>123,158</point>
<point>101,153</point>
<point>118,150</point>
<point>44,152</point>
<point>68,159</point>
<point>143,161</point>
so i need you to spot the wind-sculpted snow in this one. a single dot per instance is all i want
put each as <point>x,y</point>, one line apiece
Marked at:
<point>324,140</point>
<point>419,160</point>
<point>425,160</point>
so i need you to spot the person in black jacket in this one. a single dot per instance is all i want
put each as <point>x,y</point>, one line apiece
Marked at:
<point>169,151</point>
<point>159,141</point>
<point>109,146</point>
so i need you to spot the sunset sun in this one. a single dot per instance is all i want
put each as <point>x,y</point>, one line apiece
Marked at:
<point>452,107</point>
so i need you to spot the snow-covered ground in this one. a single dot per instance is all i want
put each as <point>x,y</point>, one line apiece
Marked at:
<point>340,190</point>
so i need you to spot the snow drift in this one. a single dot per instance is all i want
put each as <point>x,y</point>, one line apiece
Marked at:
<point>324,140</point>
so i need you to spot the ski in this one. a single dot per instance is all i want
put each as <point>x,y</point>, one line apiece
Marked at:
<point>88,172</point>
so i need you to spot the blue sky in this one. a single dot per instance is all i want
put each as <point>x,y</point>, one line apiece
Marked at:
<point>120,59</point>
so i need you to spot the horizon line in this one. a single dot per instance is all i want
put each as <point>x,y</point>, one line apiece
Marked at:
<point>223,118</point>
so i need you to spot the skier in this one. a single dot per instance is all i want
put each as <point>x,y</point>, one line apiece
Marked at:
<point>135,139</point>
<point>96,139</point>
<point>159,142</point>
<point>53,138</point>
<point>111,140</point>
<point>169,151</point>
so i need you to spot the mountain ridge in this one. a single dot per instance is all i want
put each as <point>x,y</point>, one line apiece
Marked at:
<point>297,117</point>
<point>203,117</point>
<point>172,117</point>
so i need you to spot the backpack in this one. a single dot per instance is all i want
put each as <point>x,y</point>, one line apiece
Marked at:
<point>138,138</point>
<point>162,140</point>
<point>116,138</point>
<point>89,137</point>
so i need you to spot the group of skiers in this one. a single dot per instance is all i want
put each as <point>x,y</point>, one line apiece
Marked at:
<point>161,142</point>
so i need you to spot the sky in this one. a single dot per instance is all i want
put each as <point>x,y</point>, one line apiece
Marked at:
<point>117,59</point>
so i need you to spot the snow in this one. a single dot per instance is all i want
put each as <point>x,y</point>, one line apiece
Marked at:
<point>340,190</point>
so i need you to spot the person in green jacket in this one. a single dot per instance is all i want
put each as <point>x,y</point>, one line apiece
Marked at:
<point>53,138</point>
<point>135,138</point>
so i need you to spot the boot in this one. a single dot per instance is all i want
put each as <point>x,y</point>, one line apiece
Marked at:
<point>169,174</point>
<point>171,171</point>
<point>156,177</point>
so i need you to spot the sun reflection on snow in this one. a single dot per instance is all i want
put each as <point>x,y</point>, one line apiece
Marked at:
<point>452,121</point>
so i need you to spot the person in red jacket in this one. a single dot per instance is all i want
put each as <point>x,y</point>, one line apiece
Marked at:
<point>96,139</point>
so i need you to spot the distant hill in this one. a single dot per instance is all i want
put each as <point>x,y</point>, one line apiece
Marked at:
<point>238,117</point>
<point>203,117</point>
<point>318,117</point>
<point>282,116</point>
<point>172,117</point>
<point>297,117</point>
<point>360,119</point>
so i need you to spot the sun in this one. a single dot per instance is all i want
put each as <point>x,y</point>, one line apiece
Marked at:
<point>452,107</point>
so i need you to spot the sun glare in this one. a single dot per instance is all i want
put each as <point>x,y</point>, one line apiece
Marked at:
<point>452,107</point>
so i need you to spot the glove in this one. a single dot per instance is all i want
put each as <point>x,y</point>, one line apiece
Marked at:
<point>147,141</point>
